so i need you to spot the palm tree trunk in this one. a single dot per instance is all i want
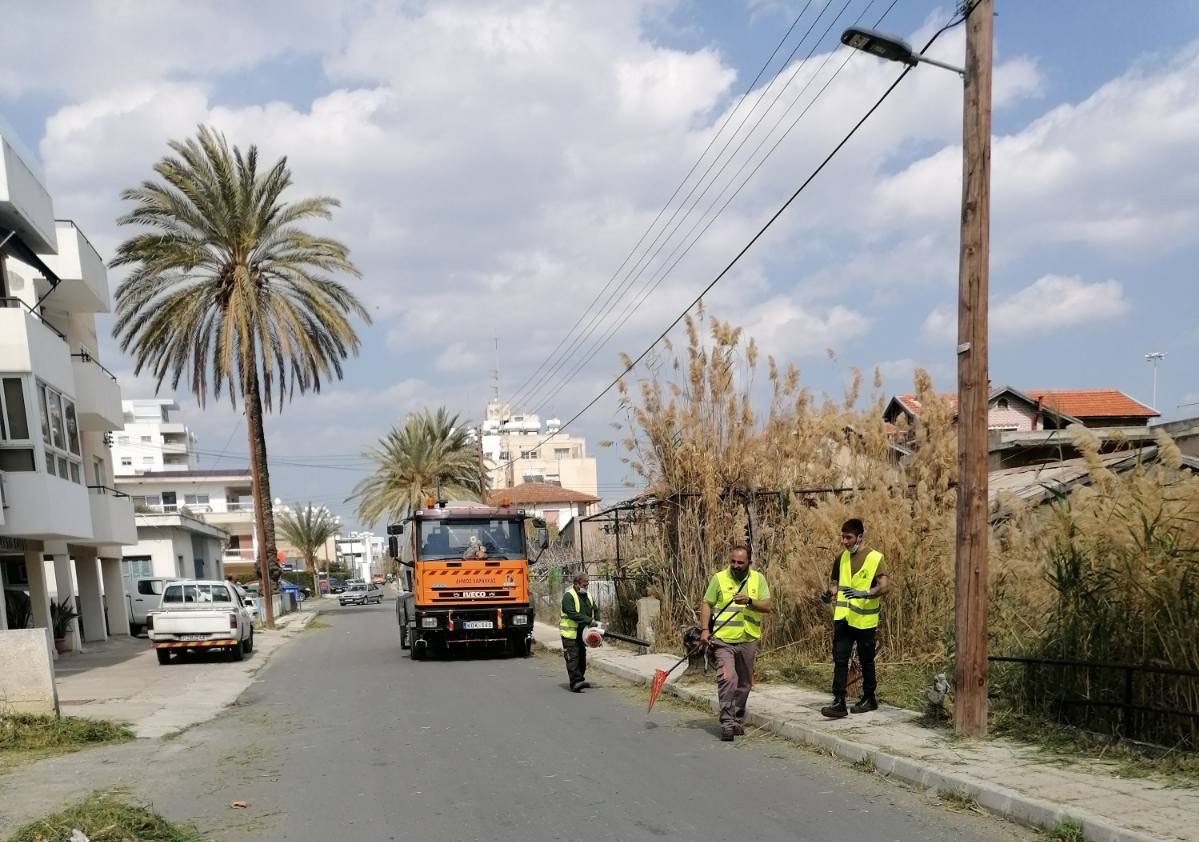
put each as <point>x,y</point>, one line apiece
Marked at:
<point>316,577</point>
<point>264,520</point>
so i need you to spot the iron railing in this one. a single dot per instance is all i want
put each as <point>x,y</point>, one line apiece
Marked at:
<point>17,303</point>
<point>1137,720</point>
<point>84,356</point>
<point>105,490</point>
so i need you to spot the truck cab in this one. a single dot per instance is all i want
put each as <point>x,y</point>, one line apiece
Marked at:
<point>465,577</point>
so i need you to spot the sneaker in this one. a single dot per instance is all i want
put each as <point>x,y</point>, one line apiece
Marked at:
<point>865,705</point>
<point>727,734</point>
<point>836,710</point>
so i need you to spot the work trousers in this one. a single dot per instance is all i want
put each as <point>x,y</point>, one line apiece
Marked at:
<point>734,678</point>
<point>844,638</point>
<point>575,652</point>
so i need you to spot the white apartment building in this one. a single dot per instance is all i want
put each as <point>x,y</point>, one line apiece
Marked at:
<point>517,450</point>
<point>152,440</point>
<point>220,498</point>
<point>62,523</point>
<point>364,553</point>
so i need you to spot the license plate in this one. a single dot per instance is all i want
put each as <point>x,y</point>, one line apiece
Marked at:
<point>193,637</point>
<point>478,624</point>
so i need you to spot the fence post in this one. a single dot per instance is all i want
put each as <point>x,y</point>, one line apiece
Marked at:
<point>1127,703</point>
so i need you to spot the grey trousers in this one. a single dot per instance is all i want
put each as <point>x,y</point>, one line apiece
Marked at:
<point>734,678</point>
<point>575,652</point>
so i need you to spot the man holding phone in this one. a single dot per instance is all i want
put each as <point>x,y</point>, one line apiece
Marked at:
<point>731,620</point>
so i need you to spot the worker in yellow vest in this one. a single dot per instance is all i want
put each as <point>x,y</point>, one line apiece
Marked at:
<point>857,581</point>
<point>578,612</point>
<point>731,622</point>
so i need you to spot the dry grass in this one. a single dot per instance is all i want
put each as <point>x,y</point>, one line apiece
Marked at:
<point>105,817</point>
<point>1107,573</point>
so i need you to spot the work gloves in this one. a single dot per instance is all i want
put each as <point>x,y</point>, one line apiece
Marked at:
<point>854,593</point>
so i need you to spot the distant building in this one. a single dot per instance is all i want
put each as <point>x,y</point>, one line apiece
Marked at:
<point>152,440</point>
<point>558,505</point>
<point>363,552</point>
<point>517,450</point>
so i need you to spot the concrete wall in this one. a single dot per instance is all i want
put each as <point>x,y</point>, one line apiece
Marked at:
<point>27,672</point>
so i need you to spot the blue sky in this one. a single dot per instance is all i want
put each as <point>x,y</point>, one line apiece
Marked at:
<point>497,160</point>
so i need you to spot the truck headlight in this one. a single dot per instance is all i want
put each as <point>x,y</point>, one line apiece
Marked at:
<point>428,622</point>
<point>520,619</point>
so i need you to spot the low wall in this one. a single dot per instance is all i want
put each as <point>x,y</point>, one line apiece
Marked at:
<point>27,672</point>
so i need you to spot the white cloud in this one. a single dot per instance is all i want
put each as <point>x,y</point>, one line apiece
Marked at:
<point>1050,303</point>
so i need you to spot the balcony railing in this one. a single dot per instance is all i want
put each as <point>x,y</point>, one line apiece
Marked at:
<point>193,508</point>
<point>104,489</point>
<point>84,356</point>
<point>232,554</point>
<point>18,303</point>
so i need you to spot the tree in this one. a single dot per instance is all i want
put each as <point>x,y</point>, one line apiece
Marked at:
<point>227,291</point>
<point>429,453</point>
<point>307,529</point>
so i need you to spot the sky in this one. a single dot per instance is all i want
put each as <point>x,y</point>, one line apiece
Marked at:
<point>498,161</point>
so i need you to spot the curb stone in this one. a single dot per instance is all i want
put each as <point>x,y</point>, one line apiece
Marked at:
<point>994,798</point>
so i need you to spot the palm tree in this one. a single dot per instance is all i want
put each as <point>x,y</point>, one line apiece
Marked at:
<point>308,529</point>
<point>429,453</point>
<point>226,290</point>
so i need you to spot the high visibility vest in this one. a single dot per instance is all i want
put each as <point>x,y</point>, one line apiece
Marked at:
<point>736,623</point>
<point>568,627</point>
<point>859,613</point>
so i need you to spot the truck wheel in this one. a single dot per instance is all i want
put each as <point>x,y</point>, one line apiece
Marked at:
<point>405,639</point>
<point>249,644</point>
<point>164,656</point>
<point>418,650</point>
<point>135,630</point>
<point>237,653</point>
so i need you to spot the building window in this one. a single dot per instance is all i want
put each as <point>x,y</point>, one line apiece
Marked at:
<point>16,447</point>
<point>126,461</point>
<point>1001,403</point>
<point>147,460</point>
<point>504,456</point>
<point>146,439</point>
<point>561,452</point>
<point>60,432</point>
<point>528,454</point>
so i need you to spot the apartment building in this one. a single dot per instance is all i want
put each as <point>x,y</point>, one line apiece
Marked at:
<point>62,523</point>
<point>220,498</point>
<point>152,439</point>
<point>517,449</point>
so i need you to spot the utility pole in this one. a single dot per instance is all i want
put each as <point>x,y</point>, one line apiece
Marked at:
<point>482,464</point>
<point>973,529</point>
<point>1153,359</point>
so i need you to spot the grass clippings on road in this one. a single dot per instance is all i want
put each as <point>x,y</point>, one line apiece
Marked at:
<point>105,817</point>
<point>25,737</point>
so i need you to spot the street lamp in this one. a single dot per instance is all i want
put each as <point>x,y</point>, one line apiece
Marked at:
<point>890,48</point>
<point>1153,359</point>
<point>972,516</point>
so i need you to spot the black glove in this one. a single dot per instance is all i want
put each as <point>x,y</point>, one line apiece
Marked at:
<point>826,596</point>
<point>854,593</point>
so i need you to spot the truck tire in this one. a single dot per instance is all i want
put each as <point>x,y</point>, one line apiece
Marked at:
<point>135,629</point>
<point>164,656</point>
<point>418,650</point>
<point>237,653</point>
<point>248,647</point>
<point>405,638</point>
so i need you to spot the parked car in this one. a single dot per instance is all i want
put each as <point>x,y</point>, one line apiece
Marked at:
<point>146,595</point>
<point>360,593</point>
<point>198,615</point>
<point>336,586</point>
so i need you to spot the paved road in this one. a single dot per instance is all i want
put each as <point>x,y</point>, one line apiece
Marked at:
<point>343,738</point>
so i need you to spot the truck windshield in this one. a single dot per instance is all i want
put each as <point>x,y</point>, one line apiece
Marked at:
<point>451,539</point>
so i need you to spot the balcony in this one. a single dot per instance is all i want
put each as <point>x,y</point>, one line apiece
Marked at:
<point>97,395</point>
<point>112,516</point>
<point>236,556</point>
<point>83,280</point>
<point>29,344</point>
<point>25,204</point>
<point>42,507</point>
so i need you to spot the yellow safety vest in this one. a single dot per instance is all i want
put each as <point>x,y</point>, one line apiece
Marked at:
<point>859,613</point>
<point>743,623</point>
<point>568,627</point>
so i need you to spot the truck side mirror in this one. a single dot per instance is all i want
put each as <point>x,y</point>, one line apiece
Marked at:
<point>395,529</point>
<point>393,546</point>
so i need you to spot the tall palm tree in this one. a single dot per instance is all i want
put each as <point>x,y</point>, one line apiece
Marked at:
<point>430,451</point>
<point>308,529</point>
<point>226,290</point>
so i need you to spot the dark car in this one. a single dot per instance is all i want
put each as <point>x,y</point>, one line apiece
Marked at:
<point>336,586</point>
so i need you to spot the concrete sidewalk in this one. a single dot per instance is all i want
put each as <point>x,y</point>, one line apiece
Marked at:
<point>122,681</point>
<point>1004,777</point>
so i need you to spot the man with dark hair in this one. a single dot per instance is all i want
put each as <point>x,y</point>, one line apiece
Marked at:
<point>857,579</point>
<point>578,613</point>
<point>731,622</point>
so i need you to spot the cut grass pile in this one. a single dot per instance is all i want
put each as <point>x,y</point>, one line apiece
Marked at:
<point>33,732</point>
<point>105,817</point>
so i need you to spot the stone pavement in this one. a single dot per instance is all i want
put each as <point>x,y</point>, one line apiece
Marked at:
<point>121,680</point>
<point>1003,777</point>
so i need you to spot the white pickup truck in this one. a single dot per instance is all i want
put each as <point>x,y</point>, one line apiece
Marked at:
<point>197,615</point>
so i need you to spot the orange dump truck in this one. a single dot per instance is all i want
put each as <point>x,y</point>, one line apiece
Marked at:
<point>466,580</point>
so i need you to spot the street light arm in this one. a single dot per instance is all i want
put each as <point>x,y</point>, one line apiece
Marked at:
<point>961,71</point>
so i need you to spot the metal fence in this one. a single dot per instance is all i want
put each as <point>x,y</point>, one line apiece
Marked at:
<point>1156,704</point>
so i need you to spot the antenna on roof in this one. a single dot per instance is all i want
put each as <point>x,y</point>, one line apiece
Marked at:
<point>495,372</point>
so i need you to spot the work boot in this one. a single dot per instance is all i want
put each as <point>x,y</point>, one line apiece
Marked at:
<point>739,730</point>
<point>586,685</point>
<point>576,687</point>
<point>727,734</point>
<point>836,710</point>
<point>865,705</point>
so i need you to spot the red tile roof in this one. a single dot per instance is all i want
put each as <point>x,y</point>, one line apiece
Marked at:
<point>913,405</point>
<point>539,492</point>
<point>1093,403</point>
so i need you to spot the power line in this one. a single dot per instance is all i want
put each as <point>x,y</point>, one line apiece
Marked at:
<point>668,265</point>
<point>518,393</point>
<point>774,217</point>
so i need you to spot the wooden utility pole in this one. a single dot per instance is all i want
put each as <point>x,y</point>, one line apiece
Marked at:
<point>973,529</point>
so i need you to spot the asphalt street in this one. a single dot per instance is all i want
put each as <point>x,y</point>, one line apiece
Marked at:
<point>343,737</point>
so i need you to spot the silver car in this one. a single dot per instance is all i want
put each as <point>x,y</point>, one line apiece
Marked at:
<point>361,593</point>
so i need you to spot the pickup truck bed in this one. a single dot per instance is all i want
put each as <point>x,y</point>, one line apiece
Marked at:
<point>196,616</point>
